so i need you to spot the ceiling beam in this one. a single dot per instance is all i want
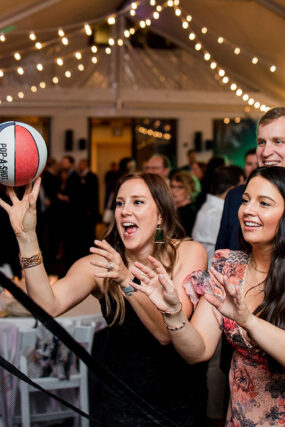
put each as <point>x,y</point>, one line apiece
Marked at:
<point>273,7</point>
<point>24,12</point>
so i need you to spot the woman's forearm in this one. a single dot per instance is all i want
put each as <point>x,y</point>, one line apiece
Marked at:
<point>36,278</point>
<point>185,338</point>
<point>270,338</point>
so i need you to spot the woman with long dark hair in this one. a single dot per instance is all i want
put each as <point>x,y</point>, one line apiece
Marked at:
<point>244,296</point>
<point>136,346</point>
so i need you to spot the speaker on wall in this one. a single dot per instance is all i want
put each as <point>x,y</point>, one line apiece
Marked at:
<point>82,144</point>
<point>68,143</point>
<point>198,141</point>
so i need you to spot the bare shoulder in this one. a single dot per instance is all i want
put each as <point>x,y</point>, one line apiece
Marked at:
<point>191,247</point>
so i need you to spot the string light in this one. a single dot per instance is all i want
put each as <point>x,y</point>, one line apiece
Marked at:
<point>192,36</point>
<point>213,65</point>
<point>2,37</point>
<point>222,73</point>
<point>64,41</point>
<point>142,24</point>
<point>178,12</point>
<point>67,74</point>
<point>88,29</point>
<point>78,55</point>
<point>34,89</point>
<point>120,42</point>
<point>198,46</point>
<point>40,67</point>
<point>94,59</point>
<point>9,98</point>
<point>152,2</point>
<point>42,85</point>
<point>132,12</point>
<point>170,3</point>
<point>60,32</point>
<point>94,49</point>
<point>111,42</point>
<point>38,45</point>
<point>273,68</point>
<point>159,8</point>
<point>227,120</point>
<point>225,80</point>
<point>1,73</point>
<point>185,25</point>
<point>237,51</point>
<point>207,56</point>
<point>189,18</point>
<point>108,50</point>
<point>21,95</point>
<point>111,20</point>
<point>32,36</point>
<point>251,101</point>
<point>233,86</point>
<point>204,30</point>
<point>55,80</point>
<point>20,70</point>
<point>245,97</point>
<point>220,40</point>
<point>134,5</point>
<point>156,15</point>
<point>238,92</point>
<point>80,67</point>
<point>17,56</point>
<point>59,61</point>
<point>254,60</point>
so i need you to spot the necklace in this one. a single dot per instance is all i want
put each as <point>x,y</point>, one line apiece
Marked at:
<point>251,261</point>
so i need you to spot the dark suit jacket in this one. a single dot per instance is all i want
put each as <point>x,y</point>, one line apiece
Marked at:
<point>228,233</point>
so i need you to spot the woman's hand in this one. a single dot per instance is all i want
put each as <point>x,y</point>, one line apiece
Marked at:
<point>233,305</point>
<point>113,266</point>
<point>157,285</point>
<point>22,213</point>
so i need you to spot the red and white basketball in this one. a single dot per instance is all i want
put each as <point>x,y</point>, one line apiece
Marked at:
<point>23,154</point>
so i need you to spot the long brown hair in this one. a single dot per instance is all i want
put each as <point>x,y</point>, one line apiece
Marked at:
<point>272,308</point>
<point>165,253</point>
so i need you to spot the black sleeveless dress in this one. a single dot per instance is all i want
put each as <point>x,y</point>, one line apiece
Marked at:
<point>157,373</point>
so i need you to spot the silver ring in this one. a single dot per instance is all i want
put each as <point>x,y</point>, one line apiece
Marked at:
<point>110,266</point>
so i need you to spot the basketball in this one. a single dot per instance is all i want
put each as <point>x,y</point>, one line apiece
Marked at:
<point>23,154</point>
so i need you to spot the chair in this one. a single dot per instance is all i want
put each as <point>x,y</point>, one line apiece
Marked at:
<point>82,334</point>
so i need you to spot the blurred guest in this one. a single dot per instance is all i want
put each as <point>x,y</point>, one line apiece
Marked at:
<point>48,225</point>
<point>191,157</point>
<point>198,169</point>
<point>158,164</point>
<point>182,186</point>
<point>250,162</point>
<point>70,212</point>
<point>90,198</point>
<point>213,163</point>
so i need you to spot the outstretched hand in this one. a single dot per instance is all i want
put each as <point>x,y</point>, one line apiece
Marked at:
<point>157,285</point>
<point>233,304</point>
<point>112,264</point>
<point>22,213</point>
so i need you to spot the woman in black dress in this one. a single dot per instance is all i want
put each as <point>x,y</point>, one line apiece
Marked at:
<point>136,345</point>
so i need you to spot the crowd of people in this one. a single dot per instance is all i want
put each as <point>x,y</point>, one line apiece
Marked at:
<point>166,294</point>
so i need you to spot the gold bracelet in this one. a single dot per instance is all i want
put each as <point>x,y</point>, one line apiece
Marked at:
<point>31,261</point>
<point>172,312</point>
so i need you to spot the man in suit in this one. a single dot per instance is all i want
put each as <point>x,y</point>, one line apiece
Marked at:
<point>90,193</point>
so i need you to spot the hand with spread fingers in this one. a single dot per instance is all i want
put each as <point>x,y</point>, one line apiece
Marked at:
<point>112,265</point>
<point>157,285</point>
<point>22,213</point>
<point>233,304</point>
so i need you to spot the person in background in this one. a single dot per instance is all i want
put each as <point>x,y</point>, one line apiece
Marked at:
<point>49,228</point>
<point>191,157</point>
<point>205,231</point>
<point>70,212</point>
<point>208,218</point>
<point>136,345</point>
<point>198,169</point>
<point>244,297</point>
<point>90,197</point>
<point>250,162</point>
<point>182,186</point>
<point>159,164</point>
<point>213,163</point>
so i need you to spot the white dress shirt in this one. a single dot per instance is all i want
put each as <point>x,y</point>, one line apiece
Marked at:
<point>207,224</point>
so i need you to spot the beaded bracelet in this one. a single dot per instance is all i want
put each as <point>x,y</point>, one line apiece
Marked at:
<point>175,328</point>
<point>172,312</point>
<point>31,261</point>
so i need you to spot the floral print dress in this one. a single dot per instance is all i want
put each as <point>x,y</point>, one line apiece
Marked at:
<point>257,396</point>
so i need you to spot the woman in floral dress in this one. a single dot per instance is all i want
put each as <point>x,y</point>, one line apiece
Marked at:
<point>244,296</point>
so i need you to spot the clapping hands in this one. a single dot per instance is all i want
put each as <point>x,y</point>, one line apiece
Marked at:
<point>157,285</point>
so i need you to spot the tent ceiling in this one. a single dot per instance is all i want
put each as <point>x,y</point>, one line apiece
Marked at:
<point>255,26</point>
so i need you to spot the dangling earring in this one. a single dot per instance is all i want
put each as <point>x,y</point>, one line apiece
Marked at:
<point>158,235</point>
